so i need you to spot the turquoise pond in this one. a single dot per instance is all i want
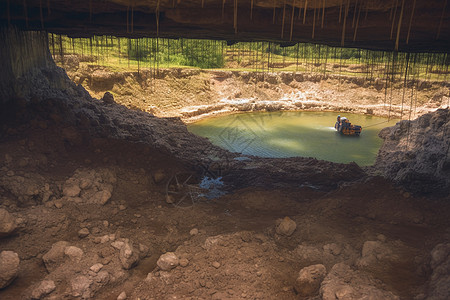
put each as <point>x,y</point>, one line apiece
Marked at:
<point>288,134</point>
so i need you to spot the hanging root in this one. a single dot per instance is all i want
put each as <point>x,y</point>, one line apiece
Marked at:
<point>284,16</point>
<point>442,19</point>
<point>399,25</point>
<point>345,22</point>
<point>292,20</point>
<point>304,12</point>
<point>357,23</point>
<point>410,21</point>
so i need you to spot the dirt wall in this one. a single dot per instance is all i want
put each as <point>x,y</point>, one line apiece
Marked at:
<point>416,154</point>
<point>193,94</point>
<point>28,70</point>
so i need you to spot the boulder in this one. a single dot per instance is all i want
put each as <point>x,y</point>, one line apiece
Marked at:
<point>9,267</point>
<point>167,261</point>
<point>74,253</point>
<point>81,287</point>
<point>83,232</point>
<point>128,256</point>
<point>285,226</point>
<point>7,223</point>
<point>309,280</point>
<point>101,197</point>
<point>439,284</point>
<point>373,252</point>
<point>96,268</point>
<point>159,176</point>
<point>71,190</point>
<point>44,288</point>
<point>55,257</point>
<point>344,283</point>
<point>108,98</point>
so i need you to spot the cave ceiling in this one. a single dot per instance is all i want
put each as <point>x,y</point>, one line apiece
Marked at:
<point>404,25</point>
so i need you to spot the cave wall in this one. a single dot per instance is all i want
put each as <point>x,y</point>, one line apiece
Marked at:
<point>27,68</point>
<point>413,26</point>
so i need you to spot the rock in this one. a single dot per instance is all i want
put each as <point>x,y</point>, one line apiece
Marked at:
<point>103,277</point>
<point>285,226</point>
<point>194,231</point>
<point>373,252</point>
<point>167,261</point>
<point>71,190</point>
<point>83,232</point>
<point>159,176</point>
<point>108,98</point>
<point>117,244</point>
<point>344,283</point>
<point>184,262</point>
<point>143,251</point>
<point>170,199</point>
<point>81,287</point>
<point>74,253</point>
<point>101,197</point>
<point>90,186</point>
<point>122,296</point>
<point>439,283</point>
<point>104,239</point>
<point>122,207</point>
<point>96,268</point>
<point>309,280</point>
<point>7,223</point>
<point>58,203</point>
<point>9,267</point>
<point>55,257</point>
<point>44,288</point>
<point>216,264</point>
<point>128,256</point>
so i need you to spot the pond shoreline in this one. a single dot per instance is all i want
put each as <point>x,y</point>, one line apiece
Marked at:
<point>194,114</point>
<point>283,134</point>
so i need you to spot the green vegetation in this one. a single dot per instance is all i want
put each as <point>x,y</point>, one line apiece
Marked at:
<point>154,53</point>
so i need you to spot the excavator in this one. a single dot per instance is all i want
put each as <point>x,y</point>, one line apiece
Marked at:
<point>344,126</point>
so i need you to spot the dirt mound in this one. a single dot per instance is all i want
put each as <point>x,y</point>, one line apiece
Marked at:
<point>416,154</point>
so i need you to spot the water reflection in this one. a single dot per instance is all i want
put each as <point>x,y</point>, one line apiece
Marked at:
<point>287,134</point>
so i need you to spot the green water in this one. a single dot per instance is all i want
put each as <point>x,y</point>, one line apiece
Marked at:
<point>288,134</point>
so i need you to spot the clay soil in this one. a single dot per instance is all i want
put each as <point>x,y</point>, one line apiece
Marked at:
<point>233,251</point>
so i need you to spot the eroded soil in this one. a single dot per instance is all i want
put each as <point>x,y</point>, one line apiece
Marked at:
<point>228,247</point>
<point>195,94</point>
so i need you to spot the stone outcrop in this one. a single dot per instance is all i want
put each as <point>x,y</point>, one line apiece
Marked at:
<point>415,154</point>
